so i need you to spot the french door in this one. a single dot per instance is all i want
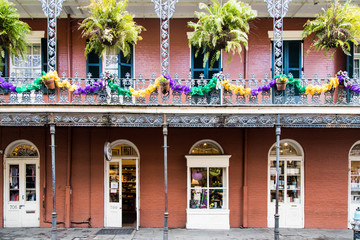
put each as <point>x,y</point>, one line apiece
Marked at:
<point>122,192</point>
<point>291,192</point>
<point>21,195</point>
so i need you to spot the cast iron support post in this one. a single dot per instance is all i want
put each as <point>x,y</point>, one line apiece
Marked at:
<point>277,10</point>
<point>51,9</point>
<point>278,132</point>
<point>164,10</point>
<point>52,133</point>
<point>166,213</point>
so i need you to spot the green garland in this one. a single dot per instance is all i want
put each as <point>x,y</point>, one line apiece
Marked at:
<point>120,91</point>
<point>29,87</point>
<point>204,89</point>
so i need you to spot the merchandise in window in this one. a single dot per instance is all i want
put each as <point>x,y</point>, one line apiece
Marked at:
<point>207,188</point>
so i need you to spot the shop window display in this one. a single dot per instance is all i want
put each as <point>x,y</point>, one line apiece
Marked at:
<point>207,188</point>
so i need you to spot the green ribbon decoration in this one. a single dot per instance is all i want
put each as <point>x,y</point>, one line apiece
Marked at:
<point>118,89</point>
<point>204,89</point>
<point>29,87</point>
<point>297,84</point>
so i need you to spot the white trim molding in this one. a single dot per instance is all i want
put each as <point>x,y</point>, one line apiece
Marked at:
<point>287,35</point>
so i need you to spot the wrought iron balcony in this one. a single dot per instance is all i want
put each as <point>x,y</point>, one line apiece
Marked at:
<point>103,95</point>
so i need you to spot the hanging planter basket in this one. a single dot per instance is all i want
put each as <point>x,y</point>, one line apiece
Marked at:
<point>280,85</point>
<point>49,83</point>
<point>165,86</point>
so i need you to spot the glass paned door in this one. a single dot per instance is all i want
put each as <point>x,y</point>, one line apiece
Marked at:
<point>113,206</point>
<point>354,188</point>
<point>22,186</point>
<point>290,192</point>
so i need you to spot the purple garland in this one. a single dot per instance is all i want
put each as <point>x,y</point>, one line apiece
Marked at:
<point>177,87</point>
<point>266,87</point>
<point>344,80</point>
<point>6,85</point>
<point>89,88</point>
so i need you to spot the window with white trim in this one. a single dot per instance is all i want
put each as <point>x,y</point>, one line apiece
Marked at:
<point>207,177</point>
<point>31,64</point>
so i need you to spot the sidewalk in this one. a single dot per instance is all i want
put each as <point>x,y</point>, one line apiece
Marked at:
<point>178,233</point>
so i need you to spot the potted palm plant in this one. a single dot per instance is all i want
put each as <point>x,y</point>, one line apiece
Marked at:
<point>335,27</point>
<point>221,27</point>
<point>13,32</point>
<point>109,26</point>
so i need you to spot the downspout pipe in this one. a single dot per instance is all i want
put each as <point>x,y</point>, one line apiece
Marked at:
<point>277,216</point>
<point>166,213</point>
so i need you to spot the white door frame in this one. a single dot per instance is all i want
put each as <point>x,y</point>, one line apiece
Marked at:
<point>106,180</point>
<point>271,205</point>
<point>351,206</point>
<point>29,207</point>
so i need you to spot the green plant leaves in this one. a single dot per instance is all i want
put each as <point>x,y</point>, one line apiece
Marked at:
<point>13,32</point>
<point>335,27</point>
<point>110,26</point>
<point>221,27</point>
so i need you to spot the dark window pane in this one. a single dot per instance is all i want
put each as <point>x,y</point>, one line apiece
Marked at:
<point>124,71</point>
<point>93,58</point>
<point>198,61</point>
<point>197,74</point>
<point>95,71</point>
<point>295,73</point>
<point>294,54</point>
<point>211,73</point>
<point>216,63</point>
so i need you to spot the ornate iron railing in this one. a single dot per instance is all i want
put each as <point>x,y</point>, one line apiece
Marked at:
<point>220,96</point>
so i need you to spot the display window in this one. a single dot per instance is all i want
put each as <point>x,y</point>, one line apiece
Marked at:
<point>207,191</point>
<point>207,188</point>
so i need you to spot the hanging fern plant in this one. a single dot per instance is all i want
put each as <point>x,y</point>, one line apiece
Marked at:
<point>109,26</point>
<point>335,27</point>
<point>13,32</point>
<point>221,27</point>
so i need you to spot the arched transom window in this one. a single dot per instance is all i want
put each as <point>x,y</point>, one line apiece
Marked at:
<point>24,150</point>
<point>286,149</point>
<point>206,147</point>
<point>124,150</point>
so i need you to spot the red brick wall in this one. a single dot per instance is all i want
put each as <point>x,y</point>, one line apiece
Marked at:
<point>325,172</point>
<point>147,51</point>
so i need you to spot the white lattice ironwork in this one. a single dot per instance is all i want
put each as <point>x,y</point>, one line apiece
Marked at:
<point>277,10</point>
<point>51,9</point>
<point>164,10</point>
